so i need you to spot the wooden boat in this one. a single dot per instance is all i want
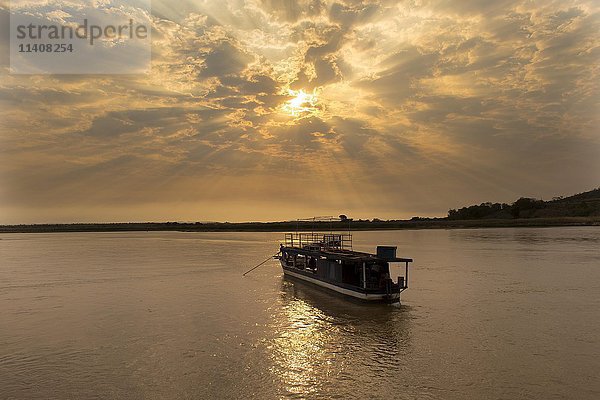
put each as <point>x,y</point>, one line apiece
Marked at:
<point>327,260</point>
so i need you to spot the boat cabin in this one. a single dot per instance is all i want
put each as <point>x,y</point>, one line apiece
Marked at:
<point>329,258</point>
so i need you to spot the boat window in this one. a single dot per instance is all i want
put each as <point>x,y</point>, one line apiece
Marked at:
<point>287,258</point>
<point>352,273</point>
<point>300,261</point>
<point>377,275</point>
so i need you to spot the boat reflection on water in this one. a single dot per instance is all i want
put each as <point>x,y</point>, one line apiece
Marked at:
<point>328,346</point>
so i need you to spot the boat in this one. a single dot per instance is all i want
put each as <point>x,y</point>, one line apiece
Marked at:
<point>326,259</point>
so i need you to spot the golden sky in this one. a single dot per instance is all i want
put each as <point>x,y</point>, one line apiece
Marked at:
<point>275,109</point>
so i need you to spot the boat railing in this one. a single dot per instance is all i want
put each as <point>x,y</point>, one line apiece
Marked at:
<point>319,240</point>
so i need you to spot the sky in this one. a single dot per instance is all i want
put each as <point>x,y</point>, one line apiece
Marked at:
<point>258,110</point>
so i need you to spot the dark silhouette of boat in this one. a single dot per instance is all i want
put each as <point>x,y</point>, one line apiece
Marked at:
<point>327,260</point>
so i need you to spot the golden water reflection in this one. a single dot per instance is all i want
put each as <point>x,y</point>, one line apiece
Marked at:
<point>320,337</point>
<point>299,353</point>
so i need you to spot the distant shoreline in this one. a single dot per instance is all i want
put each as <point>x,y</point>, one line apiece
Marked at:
<point>582,209</point>
<point>432,223</point>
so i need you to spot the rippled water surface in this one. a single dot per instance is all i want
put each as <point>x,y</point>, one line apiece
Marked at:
<point>490,314</point>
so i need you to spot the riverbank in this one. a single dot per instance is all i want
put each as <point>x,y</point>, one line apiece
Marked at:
<point>431,223</point>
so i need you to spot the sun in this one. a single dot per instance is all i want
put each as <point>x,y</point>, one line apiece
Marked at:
<point>301,104</point>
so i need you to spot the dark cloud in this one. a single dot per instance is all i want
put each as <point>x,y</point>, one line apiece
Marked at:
<point>399,73</point>
<point>225,58</point>
<point>306,137</point>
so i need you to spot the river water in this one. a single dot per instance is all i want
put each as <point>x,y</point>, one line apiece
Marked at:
<point>490,314</point>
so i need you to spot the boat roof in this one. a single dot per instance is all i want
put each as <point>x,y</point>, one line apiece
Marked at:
<point>345,255</point>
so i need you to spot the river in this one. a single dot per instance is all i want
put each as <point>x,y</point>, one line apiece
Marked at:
<point>490,314</point>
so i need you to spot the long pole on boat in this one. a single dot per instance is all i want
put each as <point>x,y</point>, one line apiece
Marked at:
<point>253,268</point>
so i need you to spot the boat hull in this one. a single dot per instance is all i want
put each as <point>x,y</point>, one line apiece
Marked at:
<point>356,294</point>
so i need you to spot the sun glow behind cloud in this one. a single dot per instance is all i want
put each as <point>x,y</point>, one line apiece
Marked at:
<point>302,104</point>
<point>384,96</point>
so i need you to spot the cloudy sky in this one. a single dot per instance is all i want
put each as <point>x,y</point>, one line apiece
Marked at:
<point>277,109</point>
